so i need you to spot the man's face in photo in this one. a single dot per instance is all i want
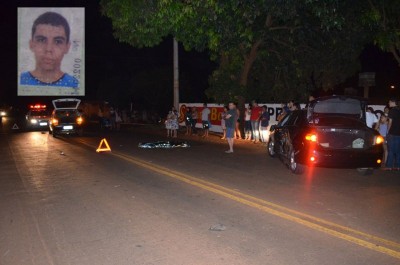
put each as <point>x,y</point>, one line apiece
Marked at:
<point>49,44</point>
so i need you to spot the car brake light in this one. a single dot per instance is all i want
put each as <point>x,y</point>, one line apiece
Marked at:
<point>311,137</point>
<point>79,120</point>
<point>54,122</point>
<point>379,139</point>
<point>37,106</point>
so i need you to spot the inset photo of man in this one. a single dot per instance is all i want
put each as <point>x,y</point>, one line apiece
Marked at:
<point>51,59</point>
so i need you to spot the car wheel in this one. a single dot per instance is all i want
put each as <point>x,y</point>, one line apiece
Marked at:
<point>54,134</point>
<point>365,171</point>
<point>271,146</point>
<point>295,167</point>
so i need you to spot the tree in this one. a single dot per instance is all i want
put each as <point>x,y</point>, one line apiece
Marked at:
<point>250,39</point>
<point>382,16</point>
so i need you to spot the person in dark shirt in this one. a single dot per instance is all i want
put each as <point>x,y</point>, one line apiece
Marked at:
<point>393,137</point>
<point>230,122</point>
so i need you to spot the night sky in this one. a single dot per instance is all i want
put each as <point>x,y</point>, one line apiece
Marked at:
<point>106,57</point>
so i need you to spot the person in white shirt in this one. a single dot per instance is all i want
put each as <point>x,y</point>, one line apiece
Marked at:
<point>370,117</point>
<point>205,120</point>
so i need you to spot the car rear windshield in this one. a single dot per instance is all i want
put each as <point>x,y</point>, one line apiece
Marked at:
<point>338,106</point>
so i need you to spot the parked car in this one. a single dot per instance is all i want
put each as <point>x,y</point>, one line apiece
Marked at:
<point>37,117</point>
<point>66,118</point>
<point>331,132</point>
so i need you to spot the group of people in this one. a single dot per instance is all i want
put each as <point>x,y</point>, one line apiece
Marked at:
<point>110,118</point>
<point>256,123</point>
<point>388,126</point>
<point>256,118</point>
<point>191,116</point>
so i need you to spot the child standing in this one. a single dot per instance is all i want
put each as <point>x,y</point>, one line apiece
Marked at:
<point>382,127</point>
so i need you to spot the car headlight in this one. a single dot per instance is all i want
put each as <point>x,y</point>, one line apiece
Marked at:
<point>79,120</point>
<point>379,139</point>
<point>54,122</point>
<point>34,121</point>
<point>3,113</point>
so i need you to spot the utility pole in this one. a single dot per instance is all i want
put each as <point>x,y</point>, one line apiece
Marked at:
<point>176,76</point>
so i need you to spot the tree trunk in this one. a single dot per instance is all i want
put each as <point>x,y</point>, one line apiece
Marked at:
<point>248,63</point>
<point>396,54</point>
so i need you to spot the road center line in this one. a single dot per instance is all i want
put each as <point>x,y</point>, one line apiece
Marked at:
<point>369,241</point>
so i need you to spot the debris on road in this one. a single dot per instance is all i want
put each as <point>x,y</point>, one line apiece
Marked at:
<point>164,144</point>
<point>218,227</point>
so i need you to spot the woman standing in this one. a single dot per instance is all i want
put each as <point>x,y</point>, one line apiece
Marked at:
<point>382,127</point>
<point>171,123</point>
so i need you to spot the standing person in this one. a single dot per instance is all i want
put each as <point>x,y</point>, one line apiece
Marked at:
<point>247,123</point>
<point>254,119</point>
<point>230,121</point>
<point>311,97</point>
<point>50,41</point>
<point>382,128</point>
<point>238,134</point>
<point>205,120</point>
<point>223,122</point>
<point>171,123</point>
<point>195,116</point>
<point>174,123</point>
<point>386,110</point>
<point>264,123</point>
<point>393,137</point>
<point>371,118</point>
<point>188,121</point>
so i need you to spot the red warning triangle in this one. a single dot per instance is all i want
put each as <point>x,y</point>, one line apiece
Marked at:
<point>101,147</point>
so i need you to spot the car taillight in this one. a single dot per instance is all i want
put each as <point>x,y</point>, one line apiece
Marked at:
<point>379,139</point>
<point>79,120</point>
<point>54,122</point>
<point>311,137</point>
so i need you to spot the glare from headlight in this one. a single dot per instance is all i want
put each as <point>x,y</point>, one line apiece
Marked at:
<point>379,139</point>
<point>79,120</point>
<point>3,113</point>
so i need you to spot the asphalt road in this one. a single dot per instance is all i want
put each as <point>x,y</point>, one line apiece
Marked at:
<point>61,202</point>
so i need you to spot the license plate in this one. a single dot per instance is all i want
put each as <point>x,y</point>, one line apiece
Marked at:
<point>43,124</point>
<point>68,127</point>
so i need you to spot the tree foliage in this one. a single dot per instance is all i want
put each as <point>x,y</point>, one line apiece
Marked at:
<point>265,49</point>
<point>382,17</point>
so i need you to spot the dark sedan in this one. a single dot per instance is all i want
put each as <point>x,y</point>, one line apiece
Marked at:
<point>331,132</point>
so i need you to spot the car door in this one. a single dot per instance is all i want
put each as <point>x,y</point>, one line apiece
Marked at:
<point>278,134</point>
<point>289,131</point>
